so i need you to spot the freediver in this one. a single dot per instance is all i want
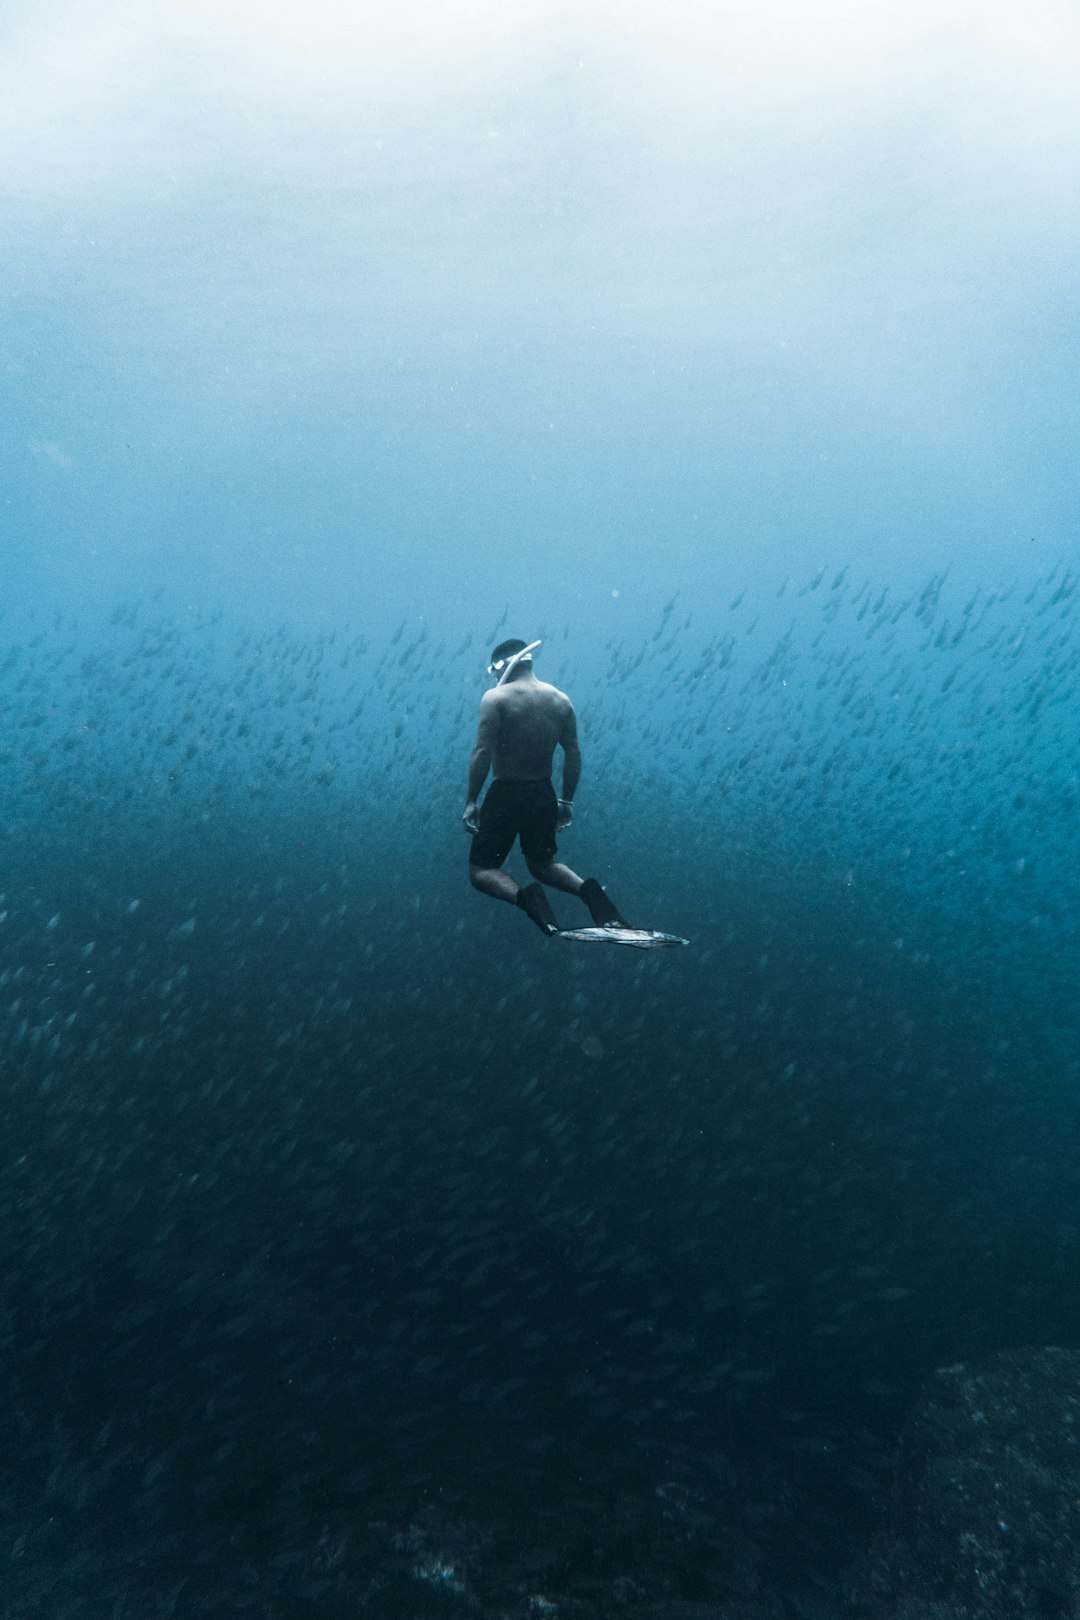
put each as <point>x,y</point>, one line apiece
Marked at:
<point>522,721</point>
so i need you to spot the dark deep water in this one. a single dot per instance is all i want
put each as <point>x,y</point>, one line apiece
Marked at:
<point>357,1241</point>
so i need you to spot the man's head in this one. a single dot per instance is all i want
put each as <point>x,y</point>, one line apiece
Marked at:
<point>506,652</point>
<point>503,653</point>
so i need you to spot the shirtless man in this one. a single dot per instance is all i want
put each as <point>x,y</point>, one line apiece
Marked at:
<point>522,720</point>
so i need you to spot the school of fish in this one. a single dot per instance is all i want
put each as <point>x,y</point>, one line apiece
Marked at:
<point>330,1188</point>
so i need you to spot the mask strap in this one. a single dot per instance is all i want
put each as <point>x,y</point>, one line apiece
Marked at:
<point>518,656</point>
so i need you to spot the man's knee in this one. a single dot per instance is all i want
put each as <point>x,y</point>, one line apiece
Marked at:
<point>537,868</point>
<point>479,875</point>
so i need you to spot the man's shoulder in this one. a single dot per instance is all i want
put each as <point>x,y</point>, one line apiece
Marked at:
<point>536,692</point>
<point>490,707</point>
<point>553,694</point>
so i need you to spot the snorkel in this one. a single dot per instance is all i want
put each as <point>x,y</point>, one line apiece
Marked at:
<point>503,666</point>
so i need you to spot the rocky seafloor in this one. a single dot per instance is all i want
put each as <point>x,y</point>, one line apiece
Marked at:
<point>973,1515</point>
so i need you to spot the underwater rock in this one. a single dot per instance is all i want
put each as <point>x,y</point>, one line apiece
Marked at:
<point>985,1518</point>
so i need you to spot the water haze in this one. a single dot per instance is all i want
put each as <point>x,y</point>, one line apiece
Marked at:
<point>439,307</point>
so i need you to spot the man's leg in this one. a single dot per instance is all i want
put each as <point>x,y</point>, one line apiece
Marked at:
<point>532,900</point>
<point>556,876</point>
<point>602,909</point>
<point>491,845</point>
<point>490,880</point>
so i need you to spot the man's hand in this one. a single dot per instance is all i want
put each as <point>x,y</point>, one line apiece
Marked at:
<point>564,815</point>
<point>471,819</point>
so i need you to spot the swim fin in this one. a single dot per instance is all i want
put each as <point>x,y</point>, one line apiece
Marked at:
<point>602,910</point>
<point>534,902</point>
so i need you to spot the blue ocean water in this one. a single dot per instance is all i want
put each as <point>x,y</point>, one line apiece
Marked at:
<point>364,1252</point>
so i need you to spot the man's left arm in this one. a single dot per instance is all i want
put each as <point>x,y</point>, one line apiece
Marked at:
<point>480,762</point>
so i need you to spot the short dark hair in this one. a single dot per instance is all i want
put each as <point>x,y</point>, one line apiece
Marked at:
<point>507,649</point>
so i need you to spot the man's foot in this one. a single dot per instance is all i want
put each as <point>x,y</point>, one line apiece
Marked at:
<point>534,902</point>
<point>604,914</point>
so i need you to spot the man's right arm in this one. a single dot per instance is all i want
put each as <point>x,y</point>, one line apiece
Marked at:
<point>568,741</point>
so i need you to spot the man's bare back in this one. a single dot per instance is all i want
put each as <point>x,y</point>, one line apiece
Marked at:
<point>526,720</point>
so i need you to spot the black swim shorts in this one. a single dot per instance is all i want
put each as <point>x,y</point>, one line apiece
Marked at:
<point>510,810</point>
